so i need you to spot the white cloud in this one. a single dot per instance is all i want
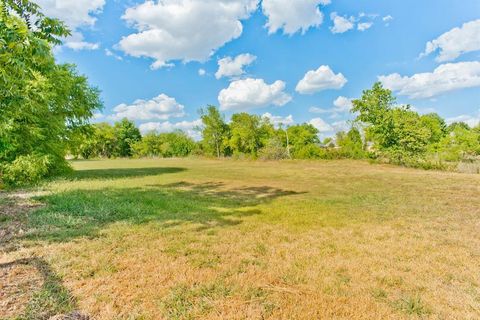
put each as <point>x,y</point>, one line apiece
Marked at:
<point>456,42</point>
<point>279,120</point>
<point>472,121</point>
<point>445,78</point>
<point>321,79</point>
<point>343,104</point>
<point>341,24</point>
<point>110,53</point>
<point>292,16</point>
<point>76,14</point>
<point>187,30</point>
<point>189,127</point>
<point>341,126</point>
<point>252,93</point>
<point>202,72</point>
<point>364,26</point>
<point>321,125</point>
<point>161,107</point>
<point>387,18</point>
<point>232,67</point>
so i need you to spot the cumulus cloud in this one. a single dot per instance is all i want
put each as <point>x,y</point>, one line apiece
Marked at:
<point>321,125</point>
<point>364,26</point>
<point>445,78</point>
<point>341,105</point>
<point>279,120</point>
<point>189,127</point>
<point>76,14</point>
<point>161,107</point>
<point>251,93</point>
<point>341,24</point>
<point>292,16</point>
<point>455,42</point>
<point>76,42</point>
<point>321,79</point>
<point>232,67</point>
<point>202,72</point>
<point>186,30</point>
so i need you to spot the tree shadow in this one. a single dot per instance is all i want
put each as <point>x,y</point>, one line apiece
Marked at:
<point>50,298</point>
<point>83,213</point>
<point>101,174</point>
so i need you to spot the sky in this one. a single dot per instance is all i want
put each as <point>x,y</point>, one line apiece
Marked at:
<point>158,62</point>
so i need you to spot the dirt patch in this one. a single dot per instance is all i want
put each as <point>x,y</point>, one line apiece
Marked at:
<point>18,282</point>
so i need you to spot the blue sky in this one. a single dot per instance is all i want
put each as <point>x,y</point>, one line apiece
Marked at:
<point>153,51</point>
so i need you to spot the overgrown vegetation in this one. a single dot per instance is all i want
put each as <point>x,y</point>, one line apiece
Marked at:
<point>42,103</point>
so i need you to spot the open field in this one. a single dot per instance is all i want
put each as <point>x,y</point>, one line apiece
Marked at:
<point>206,239</point>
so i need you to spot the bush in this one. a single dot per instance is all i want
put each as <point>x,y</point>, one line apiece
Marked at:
<point>30,169</point>
<point>274,150</point>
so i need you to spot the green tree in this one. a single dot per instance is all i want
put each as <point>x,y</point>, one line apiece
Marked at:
<point>304,141</point>
<point>126,134</point>
<point>351,144</point>
<point>43,104</point>
<point>374,110</point>
<point>249,133</point>
<point>215,133</point>
<point>436,125</point>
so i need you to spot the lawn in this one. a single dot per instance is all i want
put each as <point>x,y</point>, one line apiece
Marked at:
<point>207,239</point>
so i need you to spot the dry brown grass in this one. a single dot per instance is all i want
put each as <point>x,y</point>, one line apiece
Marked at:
<point>289,240</point>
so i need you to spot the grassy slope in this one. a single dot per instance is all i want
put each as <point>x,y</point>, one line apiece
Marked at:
<point>188,239</point>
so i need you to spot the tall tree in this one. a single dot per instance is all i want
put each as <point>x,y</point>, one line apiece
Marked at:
<point>215,131</point>
<point>42,103</point>
<point>249,133</point>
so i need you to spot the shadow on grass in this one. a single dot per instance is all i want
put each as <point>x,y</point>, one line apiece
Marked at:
<point>51,298</point>
<point>99,174</point>
<point>82,213</point>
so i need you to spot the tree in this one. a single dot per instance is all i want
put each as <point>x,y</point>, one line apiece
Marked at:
<point>436,125</point>
<point>374,110</point>
<point>303,140</point>
<point>126,134</point>
<point>43,104</point>
<point>351,144</point>
<point>172,144</point>
<point>249,133</point>
<point>215,131</point>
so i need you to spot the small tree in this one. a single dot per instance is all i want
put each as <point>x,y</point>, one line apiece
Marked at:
<point>215,131</point>
<point>126,134</point>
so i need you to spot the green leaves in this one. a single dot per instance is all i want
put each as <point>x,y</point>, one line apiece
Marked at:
<point>42,102</point>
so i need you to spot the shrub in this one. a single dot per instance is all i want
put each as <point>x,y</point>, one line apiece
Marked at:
<point>30,169</point>
<point>274,150</point>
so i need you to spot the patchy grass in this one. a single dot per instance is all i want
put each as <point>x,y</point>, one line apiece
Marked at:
<point>205,239</point>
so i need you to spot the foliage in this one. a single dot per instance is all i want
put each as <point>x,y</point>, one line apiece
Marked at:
<point>43,103</point>
<point>351,144</point>
<point>273,150</point>
<point>166,145</point>
<point>249,133</point>
<point>126,135</point>
<point>215,132</point>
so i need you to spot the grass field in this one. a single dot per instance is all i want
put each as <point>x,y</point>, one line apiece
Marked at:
<point>205,239</point>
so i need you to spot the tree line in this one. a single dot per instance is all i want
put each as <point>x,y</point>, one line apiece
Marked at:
<point>46,108</point>
<point>381,131</point>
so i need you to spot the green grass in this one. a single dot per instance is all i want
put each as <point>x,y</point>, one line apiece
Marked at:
<point>206,239</point>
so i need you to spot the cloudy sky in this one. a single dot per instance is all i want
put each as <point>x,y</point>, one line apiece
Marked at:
<point>157,62</point>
